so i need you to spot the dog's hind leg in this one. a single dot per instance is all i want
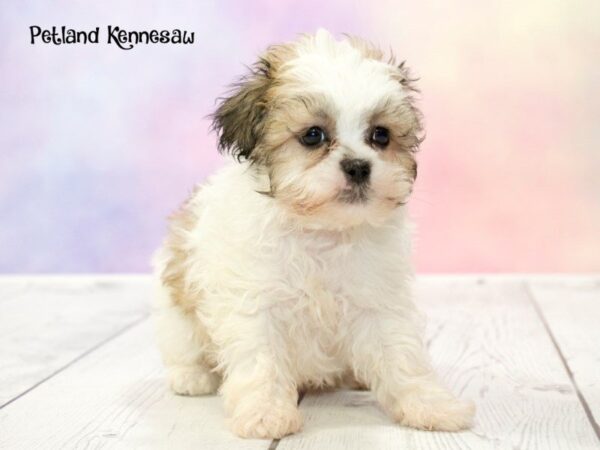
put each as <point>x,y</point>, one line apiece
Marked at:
<point>183,345</point>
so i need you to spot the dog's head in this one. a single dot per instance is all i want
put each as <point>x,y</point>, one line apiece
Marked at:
<point>334,126</point>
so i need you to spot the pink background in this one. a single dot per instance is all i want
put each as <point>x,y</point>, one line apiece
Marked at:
<point>98,145</point>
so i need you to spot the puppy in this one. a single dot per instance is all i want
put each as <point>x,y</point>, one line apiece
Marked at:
<point>290,269</point>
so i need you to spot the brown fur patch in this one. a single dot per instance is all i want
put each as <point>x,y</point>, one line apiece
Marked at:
<point>241,116</point>
<point>404,122</point>
<point>174,274</point>
<point>291,118</point>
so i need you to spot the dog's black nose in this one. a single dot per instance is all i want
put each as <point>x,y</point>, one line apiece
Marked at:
<point>357,170</point>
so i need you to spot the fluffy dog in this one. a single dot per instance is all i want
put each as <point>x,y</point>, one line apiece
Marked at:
<point>290,269</point>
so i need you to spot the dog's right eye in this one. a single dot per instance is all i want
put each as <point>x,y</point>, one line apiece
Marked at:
<point>314,136</point>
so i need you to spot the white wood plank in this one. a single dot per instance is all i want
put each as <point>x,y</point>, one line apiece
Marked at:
<point>11,288</point>
<point>571,310</point>
<point>47,323</point>
<point>116,397</point>
<point>488,345</point>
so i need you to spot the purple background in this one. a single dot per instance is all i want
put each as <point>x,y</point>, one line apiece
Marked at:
<point>98,145</point>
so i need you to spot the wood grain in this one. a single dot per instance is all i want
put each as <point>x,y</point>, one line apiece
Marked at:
<point>45,324</point>
<point>116,398</point>
<point>103,384</point>
<point>571,311</point>
<point>489,345</point>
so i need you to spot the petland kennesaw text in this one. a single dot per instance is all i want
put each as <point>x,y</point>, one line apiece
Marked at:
<point>124,39</point>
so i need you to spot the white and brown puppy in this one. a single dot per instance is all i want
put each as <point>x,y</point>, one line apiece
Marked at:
<point>290,269</point>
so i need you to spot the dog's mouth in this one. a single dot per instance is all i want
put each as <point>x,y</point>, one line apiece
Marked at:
<point>355,194</point>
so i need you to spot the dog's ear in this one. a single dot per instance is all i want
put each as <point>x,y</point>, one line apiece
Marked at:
<point>405,77</point>
<point>415,135</point>
<point>240,118</point>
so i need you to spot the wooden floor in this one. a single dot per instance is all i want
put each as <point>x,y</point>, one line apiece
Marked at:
<point>79,369</point>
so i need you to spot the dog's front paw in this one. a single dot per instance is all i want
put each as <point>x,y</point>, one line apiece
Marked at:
<point>434,411</point>
<point>266,421</point>
<point>193,380</point>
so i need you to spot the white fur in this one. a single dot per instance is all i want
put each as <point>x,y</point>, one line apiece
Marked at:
<point>284,302</point>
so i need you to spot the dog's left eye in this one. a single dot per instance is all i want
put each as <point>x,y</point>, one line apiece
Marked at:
<point>313,137</point>
<point>380,136</point>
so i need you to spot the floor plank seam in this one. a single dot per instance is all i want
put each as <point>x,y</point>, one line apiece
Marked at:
<point>582,400</point>
<point>76,359</point>
<point>274,444</point>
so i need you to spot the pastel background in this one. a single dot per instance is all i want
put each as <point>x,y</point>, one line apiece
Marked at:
<point>98,145</point>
